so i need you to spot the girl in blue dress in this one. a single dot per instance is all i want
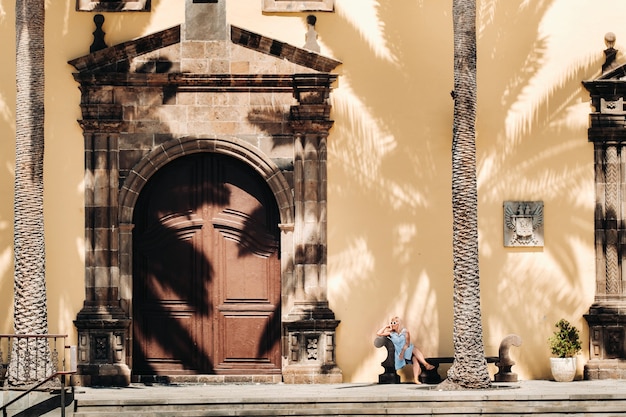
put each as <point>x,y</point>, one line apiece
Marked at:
<point>406,352</point>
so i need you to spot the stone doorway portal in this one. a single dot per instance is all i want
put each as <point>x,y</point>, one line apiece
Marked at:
<point>242,101</point>
<point>206,279</point>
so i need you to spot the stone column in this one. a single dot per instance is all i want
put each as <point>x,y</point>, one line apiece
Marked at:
<point>310,325</point>
<point>607,315</point>
<point>102,324</point>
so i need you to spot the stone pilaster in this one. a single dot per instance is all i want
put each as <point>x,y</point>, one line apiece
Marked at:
<point>102,324</point>
<point>310,325</point>
<point>607,315</point>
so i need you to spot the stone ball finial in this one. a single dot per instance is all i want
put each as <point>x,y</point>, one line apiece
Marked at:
<point>609,39</point>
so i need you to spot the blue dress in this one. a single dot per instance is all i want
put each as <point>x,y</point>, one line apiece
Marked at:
<point>399,340</point>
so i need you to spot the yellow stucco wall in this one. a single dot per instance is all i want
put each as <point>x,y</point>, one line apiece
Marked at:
<point>389,175</point>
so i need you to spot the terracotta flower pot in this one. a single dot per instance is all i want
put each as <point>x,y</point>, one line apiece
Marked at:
<point>563,369</point>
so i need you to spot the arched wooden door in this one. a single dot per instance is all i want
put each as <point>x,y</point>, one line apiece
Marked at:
<point>206,273</point>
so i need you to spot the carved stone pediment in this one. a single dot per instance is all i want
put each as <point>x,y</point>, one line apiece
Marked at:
<point>608,118</point>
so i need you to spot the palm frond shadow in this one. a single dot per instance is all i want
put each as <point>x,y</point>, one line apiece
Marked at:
<point>401,254</point>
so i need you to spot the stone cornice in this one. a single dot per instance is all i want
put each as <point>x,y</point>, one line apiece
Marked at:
<point>606,87</point>
<point>123,52</point>
<point>205,82</point>
<point>282,50</point>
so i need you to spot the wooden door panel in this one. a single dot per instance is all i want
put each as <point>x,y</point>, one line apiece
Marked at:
<point>248,342</point>
<point>250,282</point>
<point>170,274</point>
<point>167,341</point>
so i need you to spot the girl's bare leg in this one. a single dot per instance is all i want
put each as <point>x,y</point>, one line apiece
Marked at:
<point>417,370</point>
<point>420,358</point>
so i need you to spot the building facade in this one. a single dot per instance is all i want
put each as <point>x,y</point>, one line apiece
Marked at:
<point>239,192</point>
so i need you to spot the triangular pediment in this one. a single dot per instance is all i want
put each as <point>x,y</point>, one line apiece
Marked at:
<point>119,58</point>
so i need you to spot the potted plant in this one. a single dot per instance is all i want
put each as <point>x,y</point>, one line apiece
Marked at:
<point>565,345</point>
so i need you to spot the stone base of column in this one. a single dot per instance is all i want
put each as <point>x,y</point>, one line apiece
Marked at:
<point>104,375</point>
<point>302,374</point>
<point>101,350</point>
<point>309,333</point>
<point>605,369</point>
<point>607,349</point>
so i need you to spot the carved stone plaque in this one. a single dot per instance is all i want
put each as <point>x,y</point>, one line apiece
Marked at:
<point>298,6</point>
<point>113,5</point>
<point>612,107</point>
<point>523,223</point>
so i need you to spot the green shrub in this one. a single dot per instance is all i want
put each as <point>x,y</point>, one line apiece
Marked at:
<point>565,342</point>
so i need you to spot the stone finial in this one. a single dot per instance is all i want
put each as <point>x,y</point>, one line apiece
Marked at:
<point>609,39</point>
<point>98,35</point>
<point>311,35</point>
<point>610,53</point>
<point>505,362</point>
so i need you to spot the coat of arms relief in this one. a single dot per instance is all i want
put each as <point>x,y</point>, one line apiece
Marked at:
<point>523,223</point>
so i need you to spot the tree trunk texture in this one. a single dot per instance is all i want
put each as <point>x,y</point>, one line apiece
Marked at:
<point>30,360</point>
<point>469,369</point>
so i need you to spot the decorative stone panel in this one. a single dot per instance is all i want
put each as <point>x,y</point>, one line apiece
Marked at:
<point>523,223</point>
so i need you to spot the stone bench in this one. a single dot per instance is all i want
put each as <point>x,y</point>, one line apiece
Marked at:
<point>503,362</point>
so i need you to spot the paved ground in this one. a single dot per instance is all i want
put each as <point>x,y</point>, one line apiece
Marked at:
<point>524,390</point>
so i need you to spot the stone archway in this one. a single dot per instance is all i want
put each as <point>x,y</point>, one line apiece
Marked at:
<point>175,148</point>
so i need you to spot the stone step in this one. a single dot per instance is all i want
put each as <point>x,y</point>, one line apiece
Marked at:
<point>374,407</point>
<point>541,398</point>
<point>40,403</point>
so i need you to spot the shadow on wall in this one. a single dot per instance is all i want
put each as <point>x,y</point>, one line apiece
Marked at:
<point>389,175</point>
<point>64,169</point>
<point>389,181</point>
<point>64,166</point>
<point>7,167</point>
<point>540,155</point>
<point>64,163</point>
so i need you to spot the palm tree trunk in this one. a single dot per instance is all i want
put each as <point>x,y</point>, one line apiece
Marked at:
<point>30,361</point>
<point>469,369</point>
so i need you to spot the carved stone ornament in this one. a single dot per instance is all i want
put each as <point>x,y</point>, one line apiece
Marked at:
<point>275,6</point>
<point>612,107</point>
<point>523,223</point>
<point>113,5</point>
